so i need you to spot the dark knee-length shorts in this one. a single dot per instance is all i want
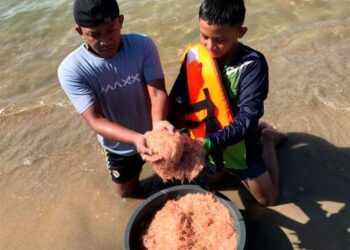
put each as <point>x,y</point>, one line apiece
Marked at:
<point>123,168</point>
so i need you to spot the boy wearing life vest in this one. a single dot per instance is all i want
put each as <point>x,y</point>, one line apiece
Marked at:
<point>219,96</point>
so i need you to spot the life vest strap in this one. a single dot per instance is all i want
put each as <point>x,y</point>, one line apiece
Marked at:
<point>211,123</point>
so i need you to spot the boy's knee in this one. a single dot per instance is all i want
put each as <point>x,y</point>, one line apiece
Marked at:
<point>268,200</point>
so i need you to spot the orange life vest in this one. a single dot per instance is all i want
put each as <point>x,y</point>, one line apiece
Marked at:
<point>201,106</point>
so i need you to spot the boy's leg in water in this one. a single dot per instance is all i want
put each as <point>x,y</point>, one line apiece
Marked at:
<point>127,189</point>
<point>125,172</point>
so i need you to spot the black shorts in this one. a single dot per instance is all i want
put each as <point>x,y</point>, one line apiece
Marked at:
<point>251,172</point>
<point>254,170</point>
<point>123,168</point>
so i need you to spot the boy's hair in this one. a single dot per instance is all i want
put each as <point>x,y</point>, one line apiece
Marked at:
<point>221,12</point>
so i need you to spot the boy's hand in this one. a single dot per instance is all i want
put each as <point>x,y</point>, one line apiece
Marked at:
<point>154,158</point>
<point>207,144</point>
<point>145,152</point>
<point>164,125</point>
<point>141,145</point>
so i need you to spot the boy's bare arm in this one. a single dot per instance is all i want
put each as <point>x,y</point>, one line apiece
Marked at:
<point>159,104</point>
<point>94,118</point>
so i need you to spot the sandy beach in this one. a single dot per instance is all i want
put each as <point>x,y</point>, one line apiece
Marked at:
<point>77,208</point>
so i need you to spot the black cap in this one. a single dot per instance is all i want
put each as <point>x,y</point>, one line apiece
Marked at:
<point>90,13</point>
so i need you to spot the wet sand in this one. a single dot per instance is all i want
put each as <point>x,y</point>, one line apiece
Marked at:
<point>64,199</point>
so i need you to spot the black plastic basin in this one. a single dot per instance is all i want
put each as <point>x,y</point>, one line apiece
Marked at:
<point>144,213</point>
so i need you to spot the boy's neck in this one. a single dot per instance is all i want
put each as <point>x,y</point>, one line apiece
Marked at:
<point>228,57</point>
<point>87,47</point>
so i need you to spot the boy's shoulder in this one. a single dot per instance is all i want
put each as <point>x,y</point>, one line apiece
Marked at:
<point>135,38</point>
<point>138,43</point>
<point>248,53</point>
<point>72,59</point>
<point>247,62</point>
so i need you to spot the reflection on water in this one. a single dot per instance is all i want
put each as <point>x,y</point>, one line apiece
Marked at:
<point>307,40</point>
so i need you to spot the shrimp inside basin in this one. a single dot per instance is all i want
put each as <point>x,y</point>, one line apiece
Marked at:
<point>145,214</point>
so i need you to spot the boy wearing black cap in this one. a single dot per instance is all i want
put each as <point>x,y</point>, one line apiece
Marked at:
<point>115,81</point>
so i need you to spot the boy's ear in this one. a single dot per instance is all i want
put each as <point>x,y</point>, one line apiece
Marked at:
<point>242,32</point>
<point>121,20</point>
<point>78,30</point>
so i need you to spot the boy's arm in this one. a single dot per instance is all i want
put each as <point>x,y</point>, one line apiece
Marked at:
<point>94,118</point>
<point>159,104</point>
<point>159,100</point>
<point>253,92</point>
<point>154,76</point>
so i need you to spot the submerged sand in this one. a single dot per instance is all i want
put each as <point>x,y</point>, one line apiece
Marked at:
<point>60,196</point>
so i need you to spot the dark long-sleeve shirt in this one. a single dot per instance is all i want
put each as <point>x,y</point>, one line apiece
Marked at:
<point>246,82</point>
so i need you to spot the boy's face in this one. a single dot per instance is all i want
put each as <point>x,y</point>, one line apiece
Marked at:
<point>104,39</point>
<point>220,40</point>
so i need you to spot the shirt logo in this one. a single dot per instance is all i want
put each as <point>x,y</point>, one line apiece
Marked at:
<point>232,70</point>
<point>115,173</point>
<point>178,99</point>
<point>121,84</point>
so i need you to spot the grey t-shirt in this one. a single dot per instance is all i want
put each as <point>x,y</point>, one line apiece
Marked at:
<point>117,84</point>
